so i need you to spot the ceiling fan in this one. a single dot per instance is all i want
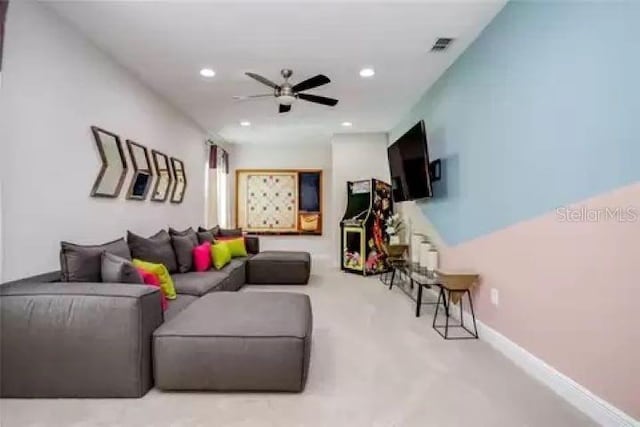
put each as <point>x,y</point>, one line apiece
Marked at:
<point>286,93</point>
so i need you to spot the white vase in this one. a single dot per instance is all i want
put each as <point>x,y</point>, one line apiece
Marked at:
<point>394,240</point>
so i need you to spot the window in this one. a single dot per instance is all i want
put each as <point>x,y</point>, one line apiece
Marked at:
<point>219,186</point>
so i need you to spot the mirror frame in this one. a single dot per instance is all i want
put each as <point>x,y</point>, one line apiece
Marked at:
<point>175,161</point>
<point>137,171</point>
<point>156,154</point>
<point>103,168</point>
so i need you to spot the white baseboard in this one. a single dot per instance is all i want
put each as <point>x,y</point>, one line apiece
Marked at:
<point>593,406</point>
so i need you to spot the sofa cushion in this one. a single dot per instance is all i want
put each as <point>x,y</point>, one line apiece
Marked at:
<point>234,264</point>
<point>153,280</point>
<point>252,243</point>
<point>236,274</point>
<point>202,257</point>
<point>83,263</point>
<point>116,269</point>
<point>156,249</point>
<point>183,247</point>
<point>166,281</point>
<point>77,340</point>
<point>247,341</point>
<point>214,230</point>
<point>188,232</point>
<point>205,237</point>
<point>236,246</point>
<point>279,267</point>
<point>198,283</point>
<point>177,305</point>
<point>221,255</point>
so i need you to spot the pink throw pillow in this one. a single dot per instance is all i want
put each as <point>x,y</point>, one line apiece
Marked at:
<point>202,257</point>
<point>153,280</point>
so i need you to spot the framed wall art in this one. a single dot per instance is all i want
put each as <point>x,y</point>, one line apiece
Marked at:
<point>279,201</point>
<point>142,174</point>
<point>180,186</point>
<point>164,178</point>
<point>113,170</point>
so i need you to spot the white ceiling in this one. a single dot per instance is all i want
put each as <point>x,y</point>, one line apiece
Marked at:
<point>166,44</point>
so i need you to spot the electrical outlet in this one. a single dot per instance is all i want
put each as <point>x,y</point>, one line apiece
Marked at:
<point>495,297</point>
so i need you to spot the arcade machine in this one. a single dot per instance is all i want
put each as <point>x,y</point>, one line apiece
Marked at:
<point>362,229</point>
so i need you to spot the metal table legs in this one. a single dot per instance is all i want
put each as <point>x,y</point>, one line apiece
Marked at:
<point>445,296</point>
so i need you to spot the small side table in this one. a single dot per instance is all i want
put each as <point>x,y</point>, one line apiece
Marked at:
<point>453,288</point>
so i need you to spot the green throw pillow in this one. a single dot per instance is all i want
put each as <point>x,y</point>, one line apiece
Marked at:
<point>236,247</point>
<point>220,254</point>
<point>160,270</point>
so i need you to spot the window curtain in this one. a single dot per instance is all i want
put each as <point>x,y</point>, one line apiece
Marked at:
<point>3,15</point>
<point>219,206</point>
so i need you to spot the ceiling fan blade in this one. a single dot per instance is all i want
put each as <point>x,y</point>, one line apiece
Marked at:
<point>243,97</point>
<point>284,108</point>
<point>318,99</point>
<point>314,81</point>
<point>263,80</point>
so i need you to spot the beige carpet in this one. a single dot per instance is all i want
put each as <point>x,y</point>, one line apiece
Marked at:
<point>373,364</point>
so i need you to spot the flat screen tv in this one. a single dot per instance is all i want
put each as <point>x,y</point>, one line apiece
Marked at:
<point>409,165</point>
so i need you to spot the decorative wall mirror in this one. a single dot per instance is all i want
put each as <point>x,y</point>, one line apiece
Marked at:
<point>163,180</point>
<point>181,180</point>
<point>114,164</point>
<point>142,175</point>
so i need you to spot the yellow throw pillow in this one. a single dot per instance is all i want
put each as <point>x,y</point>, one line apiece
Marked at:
<point>237,247</point>
<point>220,255</point>
<point>160,270</point>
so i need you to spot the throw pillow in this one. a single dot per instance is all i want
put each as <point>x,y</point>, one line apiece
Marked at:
<point>221,255</point>
<point>236,247</point>
<point>202,257</point>
<point>183,248</point>
<point>205,236</point>
<point>214,230</point>
<point>190,232</point>
<point>153,280</point>
<point>116,269</point>
<point>156,249</point>
<point>160,270</point>
<point>83,263</point>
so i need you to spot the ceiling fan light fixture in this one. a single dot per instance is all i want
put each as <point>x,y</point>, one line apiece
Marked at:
<point>245,123</point>
<point>347,124</point>
<point>286,99</point>
<point>367,72</point>
<point>207,72</point>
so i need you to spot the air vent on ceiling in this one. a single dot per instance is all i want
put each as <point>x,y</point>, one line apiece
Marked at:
<point>441,44</point>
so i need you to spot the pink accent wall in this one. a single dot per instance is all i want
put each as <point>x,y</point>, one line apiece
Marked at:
<point>569,294</point>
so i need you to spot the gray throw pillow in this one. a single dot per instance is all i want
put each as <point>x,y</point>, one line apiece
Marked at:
<point>205,236</point>
<point>156,249</point>
<point>215,230</point>
<point>183,247</point>
<point>116,269</point>
<point>82,263</point>
<point>190,232</point>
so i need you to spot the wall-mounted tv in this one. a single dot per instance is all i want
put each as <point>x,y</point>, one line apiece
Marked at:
<point>409,165</point>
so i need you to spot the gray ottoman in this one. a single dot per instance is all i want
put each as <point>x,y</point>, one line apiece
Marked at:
<point>236,341</point>
<point>279,267</point>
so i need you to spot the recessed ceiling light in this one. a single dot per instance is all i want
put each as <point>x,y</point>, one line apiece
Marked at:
<point>245,123</point>
<point>207,72</point>
<point>367,72</point>
<point>347,124</point>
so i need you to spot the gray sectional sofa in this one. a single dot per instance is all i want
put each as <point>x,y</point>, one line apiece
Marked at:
<point>96,339</point>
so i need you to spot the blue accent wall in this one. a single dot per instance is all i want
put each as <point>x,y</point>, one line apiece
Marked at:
<point>542,110</point>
